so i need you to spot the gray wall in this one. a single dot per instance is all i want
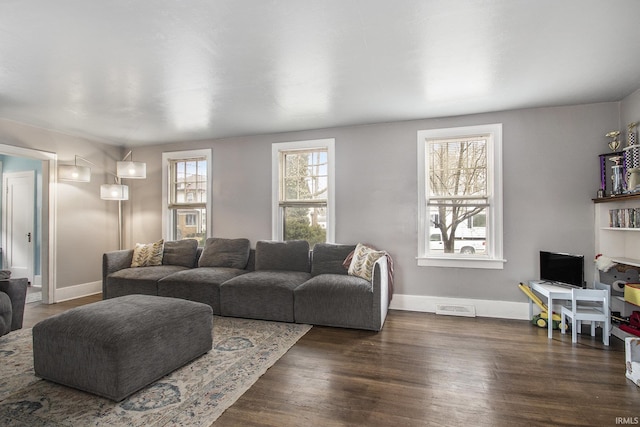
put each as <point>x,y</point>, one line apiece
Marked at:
<point>550,176</point>
<point>86,226</point>
<point>630,112</point>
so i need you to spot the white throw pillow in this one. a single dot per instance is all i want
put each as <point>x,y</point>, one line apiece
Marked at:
<point>364,258</point>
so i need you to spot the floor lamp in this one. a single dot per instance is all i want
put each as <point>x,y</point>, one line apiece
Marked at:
<point>116,191</point>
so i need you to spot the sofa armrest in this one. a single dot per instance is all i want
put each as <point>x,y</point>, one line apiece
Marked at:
<point>114,261</point>
<point>16,289</point>
<point>380,283</point>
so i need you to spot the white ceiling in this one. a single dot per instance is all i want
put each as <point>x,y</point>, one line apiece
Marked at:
<point>131,72</point>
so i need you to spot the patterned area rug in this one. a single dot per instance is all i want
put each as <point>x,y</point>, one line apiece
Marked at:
<point>194,395</point>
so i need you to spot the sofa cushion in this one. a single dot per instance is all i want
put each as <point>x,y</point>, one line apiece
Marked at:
<point>328,258</point>
<point>266,295</point>
<point>200,284</point>
<point>147,254</point>
<point>229,253</point>
<point>283,256</point>
<point>180,252</point>
<point>141,280</point>
<point>336,300</point>
<point>363,261</point>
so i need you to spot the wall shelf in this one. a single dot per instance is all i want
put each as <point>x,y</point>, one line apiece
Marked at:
<point>619,198</point>
<point>619,243</point>
<point>627,261</point>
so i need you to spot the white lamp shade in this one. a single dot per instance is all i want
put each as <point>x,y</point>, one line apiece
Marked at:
<point>114,192</point>
<point>131,170</point>
<point>74,173</point>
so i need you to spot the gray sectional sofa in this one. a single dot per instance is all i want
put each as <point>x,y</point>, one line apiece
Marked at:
<point>280,281</point>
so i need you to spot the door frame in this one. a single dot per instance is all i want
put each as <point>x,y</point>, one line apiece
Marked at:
<point>6,176</point>
<point>48,237</point>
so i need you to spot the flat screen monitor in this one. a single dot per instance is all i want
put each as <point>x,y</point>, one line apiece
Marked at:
<point>563,268</point>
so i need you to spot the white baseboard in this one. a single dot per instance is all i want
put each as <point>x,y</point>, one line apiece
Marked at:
<point>484,308</point>
<point>37,280</point>
<point>78,291</point>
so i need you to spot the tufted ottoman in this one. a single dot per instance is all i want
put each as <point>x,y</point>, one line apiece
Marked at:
<point>115,347</point>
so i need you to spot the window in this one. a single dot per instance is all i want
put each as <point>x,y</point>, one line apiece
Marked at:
<point>191,219</point>
<point>460,197</point>
<point>187,195</point>
<point>303,191</point>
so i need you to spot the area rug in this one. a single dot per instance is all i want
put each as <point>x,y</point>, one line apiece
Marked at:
<point>194,395</point>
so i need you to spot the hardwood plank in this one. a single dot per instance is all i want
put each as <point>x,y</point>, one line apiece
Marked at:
<point>424,370</point>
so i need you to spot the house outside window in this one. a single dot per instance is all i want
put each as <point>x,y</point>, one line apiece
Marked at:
<point>303,191</point>
<point>190,219</point>
<point>187,195</point>
<point>460,197</point>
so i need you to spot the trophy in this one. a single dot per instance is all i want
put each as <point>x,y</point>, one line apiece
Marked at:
<point>632,159</point>
<point>614,144</point>
<point>617,177</point>
<point>631,133</point>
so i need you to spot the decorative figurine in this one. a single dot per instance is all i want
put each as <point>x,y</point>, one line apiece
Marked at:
<point>614,144</point>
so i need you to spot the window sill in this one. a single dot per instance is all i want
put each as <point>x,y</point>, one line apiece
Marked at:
<point>462,262</point>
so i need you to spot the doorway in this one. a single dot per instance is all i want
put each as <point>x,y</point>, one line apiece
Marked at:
<point>43,230</point>
<point>18,223</point>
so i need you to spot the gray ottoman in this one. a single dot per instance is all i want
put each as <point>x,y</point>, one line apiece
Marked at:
<point>115,347</point>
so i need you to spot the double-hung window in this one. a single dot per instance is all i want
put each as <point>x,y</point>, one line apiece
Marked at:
<point>303,191</point>
<point>460,197</point>
<point>186,194</point>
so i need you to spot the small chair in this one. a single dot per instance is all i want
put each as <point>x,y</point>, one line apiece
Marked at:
<point>590,305</point>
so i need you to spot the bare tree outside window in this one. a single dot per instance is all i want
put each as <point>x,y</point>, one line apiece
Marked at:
<point>457,193</point>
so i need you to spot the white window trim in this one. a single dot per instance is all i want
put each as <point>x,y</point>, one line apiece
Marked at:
<point>167,219</point>
<point>276,215</point>
<point>494,259</point>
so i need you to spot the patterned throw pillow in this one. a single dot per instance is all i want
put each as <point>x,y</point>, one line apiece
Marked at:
<point>147,255</point>
<point>364,258</point>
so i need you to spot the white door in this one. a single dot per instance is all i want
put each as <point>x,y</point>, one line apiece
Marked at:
<point>17,219</point>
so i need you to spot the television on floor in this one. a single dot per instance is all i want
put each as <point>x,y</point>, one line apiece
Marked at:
<point>563,268</point>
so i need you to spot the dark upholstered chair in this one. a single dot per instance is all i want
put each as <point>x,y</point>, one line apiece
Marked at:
<point>13,295</point>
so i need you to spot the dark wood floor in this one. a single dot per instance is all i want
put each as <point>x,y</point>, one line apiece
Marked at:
<point>424,369</point>
<point>37,311</point>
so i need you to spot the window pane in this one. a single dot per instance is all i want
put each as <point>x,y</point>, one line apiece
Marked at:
<point>190,224</point>
<point>304,223</point>
<point>457,167</point>
<point>457,229</point>
<point>304,176</point>
<point>189,181</point>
